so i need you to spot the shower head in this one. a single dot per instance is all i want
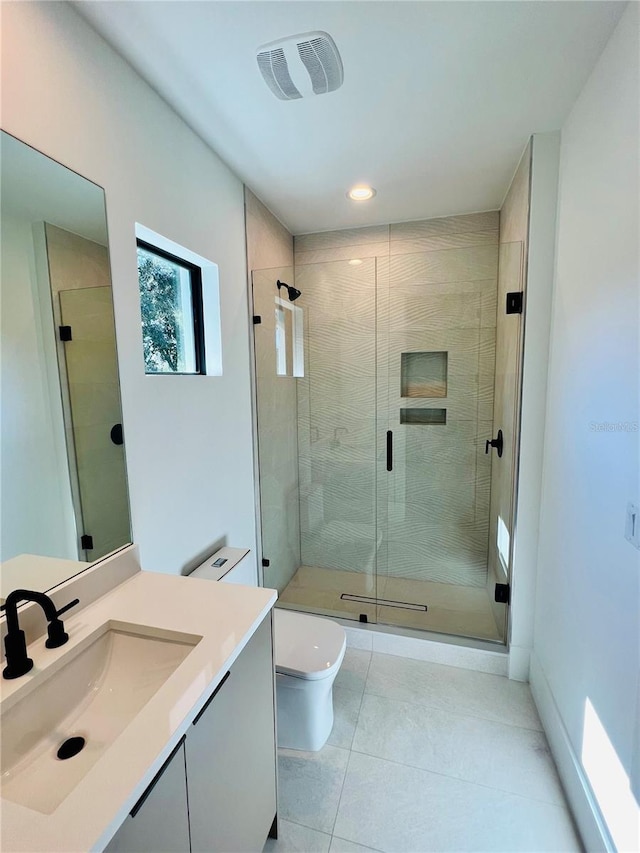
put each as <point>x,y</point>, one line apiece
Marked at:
<point>291,290</point>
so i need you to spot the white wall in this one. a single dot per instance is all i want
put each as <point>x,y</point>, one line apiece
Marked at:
<point>586,641</point>
<point>188,439</point>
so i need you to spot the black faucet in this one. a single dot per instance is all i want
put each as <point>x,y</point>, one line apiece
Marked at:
<point>15,643</point>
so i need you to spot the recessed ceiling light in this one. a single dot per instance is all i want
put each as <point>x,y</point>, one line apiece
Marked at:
<point>361,193</point>
<point>355,262</point>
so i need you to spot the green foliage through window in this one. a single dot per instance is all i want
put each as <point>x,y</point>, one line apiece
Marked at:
<point>167,314</point>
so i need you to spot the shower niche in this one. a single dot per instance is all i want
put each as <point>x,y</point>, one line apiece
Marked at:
<point>423,416</point>
<point>423,374</point>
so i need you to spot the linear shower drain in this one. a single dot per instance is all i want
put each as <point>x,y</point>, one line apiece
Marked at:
<point>383,602</point>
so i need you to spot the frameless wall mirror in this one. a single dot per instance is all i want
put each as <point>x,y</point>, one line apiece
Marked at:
<point>64,489</point>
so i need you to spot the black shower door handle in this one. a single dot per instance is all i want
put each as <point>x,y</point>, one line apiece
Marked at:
<point>497,442</point>
<point>389,450</point>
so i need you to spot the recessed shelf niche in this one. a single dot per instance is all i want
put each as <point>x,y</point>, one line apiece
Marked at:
<point>423,374</point>
<point>423,416</point>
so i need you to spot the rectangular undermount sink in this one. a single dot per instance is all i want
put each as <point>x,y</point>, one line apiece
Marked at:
<point>91,694</point>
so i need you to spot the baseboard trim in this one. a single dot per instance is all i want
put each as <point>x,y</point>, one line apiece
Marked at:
<point>586,812</point>
<point>519,661</point>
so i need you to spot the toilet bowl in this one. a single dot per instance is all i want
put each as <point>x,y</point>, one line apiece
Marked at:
<point>309,651</point>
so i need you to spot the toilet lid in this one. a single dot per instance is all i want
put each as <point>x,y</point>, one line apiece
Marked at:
<point>307,646</point>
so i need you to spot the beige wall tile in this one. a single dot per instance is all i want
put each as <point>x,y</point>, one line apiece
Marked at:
<point>74,262</point>
<point>514,216</point>
<point>447,240</point>
<point>269,243</point>
<point>339,239</point>
<point>470,222</point>
<point>414,308</point>
<point>357,251</point>
<point>447,265</point>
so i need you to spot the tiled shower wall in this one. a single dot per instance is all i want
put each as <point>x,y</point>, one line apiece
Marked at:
<point>369,296</point>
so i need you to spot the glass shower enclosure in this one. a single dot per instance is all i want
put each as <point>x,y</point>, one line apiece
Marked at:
<point>376,393</point>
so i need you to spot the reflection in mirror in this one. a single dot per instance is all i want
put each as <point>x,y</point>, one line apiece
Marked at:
<point>64,490</point>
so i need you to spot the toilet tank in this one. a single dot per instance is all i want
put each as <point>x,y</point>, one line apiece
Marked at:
<point>228,565</point>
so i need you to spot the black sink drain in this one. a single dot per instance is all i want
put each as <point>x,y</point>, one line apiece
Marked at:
<point>70,747</point>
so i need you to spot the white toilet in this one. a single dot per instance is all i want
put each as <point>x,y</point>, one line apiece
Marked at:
<point>309,651</point>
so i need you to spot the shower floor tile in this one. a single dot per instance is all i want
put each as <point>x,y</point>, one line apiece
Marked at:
<point>452,609</point>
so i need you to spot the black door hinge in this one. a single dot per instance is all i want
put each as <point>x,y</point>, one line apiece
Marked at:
<point>65,333</point>
<point>503,593</point>
<point>86,541</point>
<point>257,319</point>
<point>363,617</point>
<point>514,302</point>
<point>265,562</point>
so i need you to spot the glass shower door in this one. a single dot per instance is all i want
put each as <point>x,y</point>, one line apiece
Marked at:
<point>378,387</point>
<point>276,416</point>
<point>506,417</point>
<point>316,434</point>
<point>436,357</point>
<point>94,426</point>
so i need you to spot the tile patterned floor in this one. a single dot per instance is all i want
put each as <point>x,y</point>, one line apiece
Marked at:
<point>424,757</point>
<point>451,608</point>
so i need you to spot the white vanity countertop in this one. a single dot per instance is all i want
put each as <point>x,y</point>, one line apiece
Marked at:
<point>224,615</point>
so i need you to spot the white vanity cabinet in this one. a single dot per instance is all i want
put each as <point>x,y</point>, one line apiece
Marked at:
<point>230,754</point>
<point>159,821</point>
<point>217,792</point>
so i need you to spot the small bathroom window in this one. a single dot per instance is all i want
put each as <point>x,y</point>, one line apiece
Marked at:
<point>423,374</point>
<point>171,307</point>
<point>180,308</point>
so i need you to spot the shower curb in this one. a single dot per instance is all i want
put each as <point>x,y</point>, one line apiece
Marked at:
<point>449,652</point>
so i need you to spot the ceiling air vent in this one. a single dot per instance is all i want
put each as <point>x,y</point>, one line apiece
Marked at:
<point>297,66</point>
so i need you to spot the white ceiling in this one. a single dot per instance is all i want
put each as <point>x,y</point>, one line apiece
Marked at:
<point>438,101</point>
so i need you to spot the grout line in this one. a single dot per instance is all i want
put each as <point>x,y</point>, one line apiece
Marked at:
<point>351,745</point>
<point>351,841</point>
<point>341,791</point>
<point>306,826</point>
<point>449,711</point>
<point>563,805</point>
<point>449,666</point>
<point>366,676</point>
